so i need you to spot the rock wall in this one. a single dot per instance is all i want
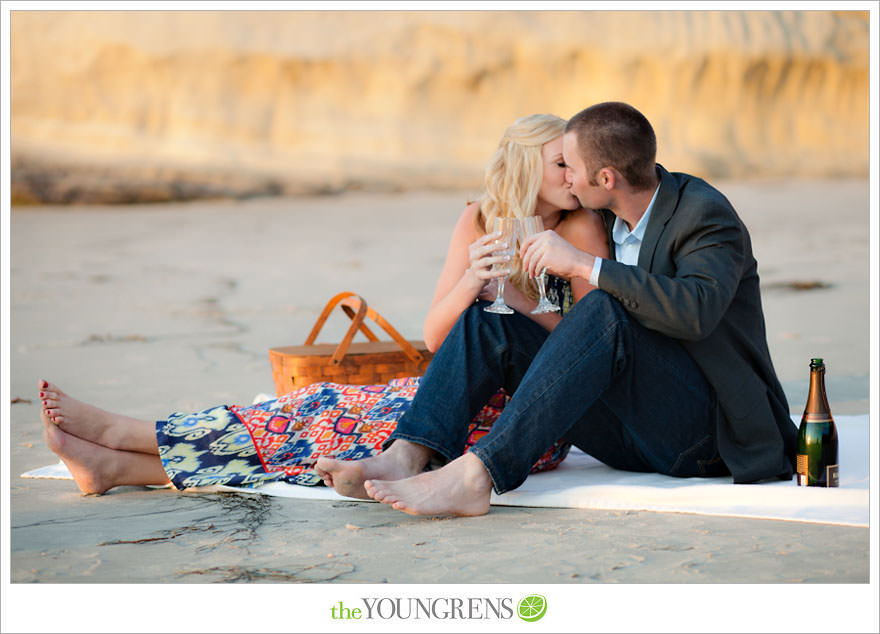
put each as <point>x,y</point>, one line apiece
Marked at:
<point>132,105</point>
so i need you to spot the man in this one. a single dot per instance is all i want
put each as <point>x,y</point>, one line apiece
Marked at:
<point>665,368</point>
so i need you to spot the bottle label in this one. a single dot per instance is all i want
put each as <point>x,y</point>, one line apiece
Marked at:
<point>802,462</point>
<point>832,476</point>
<point>817,418</point>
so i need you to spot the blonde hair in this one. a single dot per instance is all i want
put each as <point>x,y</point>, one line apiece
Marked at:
<point>513,178</point>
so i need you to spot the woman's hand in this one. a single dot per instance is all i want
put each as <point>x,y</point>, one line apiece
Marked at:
<point>481,261</point>
<point>490,291</point>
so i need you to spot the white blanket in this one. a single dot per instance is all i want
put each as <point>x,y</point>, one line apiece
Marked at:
<point>582,482</point>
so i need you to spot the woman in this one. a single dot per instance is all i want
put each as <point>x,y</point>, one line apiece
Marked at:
<point>526,176</point>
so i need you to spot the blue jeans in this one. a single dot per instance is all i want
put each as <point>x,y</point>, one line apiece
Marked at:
<point>629,396</point>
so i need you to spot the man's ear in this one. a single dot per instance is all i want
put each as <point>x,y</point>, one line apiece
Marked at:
<point>607,178</point>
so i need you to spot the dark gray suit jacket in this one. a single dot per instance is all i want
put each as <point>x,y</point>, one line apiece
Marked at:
<point>697,282</point>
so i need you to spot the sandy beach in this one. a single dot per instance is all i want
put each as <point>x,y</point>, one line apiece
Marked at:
<point>159,308</point>
<point>190,184</point>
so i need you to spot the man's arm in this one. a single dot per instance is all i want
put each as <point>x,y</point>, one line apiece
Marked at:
<point>563,259</point>
<point>703,251</point>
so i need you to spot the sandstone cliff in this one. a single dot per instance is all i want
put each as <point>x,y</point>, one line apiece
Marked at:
<point>129,106</point>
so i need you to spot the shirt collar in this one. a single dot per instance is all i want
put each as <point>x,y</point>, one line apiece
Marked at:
<point>619,231</point>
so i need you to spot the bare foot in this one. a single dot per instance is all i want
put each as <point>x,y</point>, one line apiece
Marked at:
<point>401,460</point>
<point>462,487</point>
<point>96,468</point>
<point>96,425</point>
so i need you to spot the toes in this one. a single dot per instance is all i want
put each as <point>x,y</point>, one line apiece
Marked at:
<point>49,389</point>
<point>376,492</point>
<point>370,489</point>
<point>323,464</point>
<point>325,475</point>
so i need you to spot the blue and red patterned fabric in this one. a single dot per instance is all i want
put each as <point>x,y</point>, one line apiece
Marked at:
<point>281,439</point>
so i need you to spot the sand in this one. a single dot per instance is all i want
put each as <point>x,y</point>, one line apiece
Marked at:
<point>153,309</point>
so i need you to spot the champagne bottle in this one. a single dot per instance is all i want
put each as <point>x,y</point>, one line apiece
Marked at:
<point>817,435</point>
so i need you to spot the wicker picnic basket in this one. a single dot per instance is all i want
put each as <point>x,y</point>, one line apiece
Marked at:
<point>363,363</point>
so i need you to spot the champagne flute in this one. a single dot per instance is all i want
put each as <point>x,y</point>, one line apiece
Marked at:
<point>531,226</point>
<point>509,231</point>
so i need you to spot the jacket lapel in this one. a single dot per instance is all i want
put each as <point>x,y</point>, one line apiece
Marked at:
<point>608,218</point>
<point>664,207</point>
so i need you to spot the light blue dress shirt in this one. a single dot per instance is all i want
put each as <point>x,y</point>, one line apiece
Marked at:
<point>627,244</point>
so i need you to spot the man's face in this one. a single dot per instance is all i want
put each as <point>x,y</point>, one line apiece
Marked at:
<point>590,195</point>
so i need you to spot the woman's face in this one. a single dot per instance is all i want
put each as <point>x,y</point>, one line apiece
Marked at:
<point>555,192</point>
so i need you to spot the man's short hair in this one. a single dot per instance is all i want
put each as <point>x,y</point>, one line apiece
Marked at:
<point>617,135</point>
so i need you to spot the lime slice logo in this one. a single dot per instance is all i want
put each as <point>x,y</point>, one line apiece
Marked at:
<point>532,608</point>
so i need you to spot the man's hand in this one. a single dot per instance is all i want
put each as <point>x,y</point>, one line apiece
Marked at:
<point>548,249</point>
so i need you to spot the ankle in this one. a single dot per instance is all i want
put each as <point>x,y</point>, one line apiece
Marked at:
<point>475,474</point>
<point>410,455</point>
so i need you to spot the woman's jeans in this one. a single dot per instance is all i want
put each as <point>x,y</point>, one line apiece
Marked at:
<point>628,396</point>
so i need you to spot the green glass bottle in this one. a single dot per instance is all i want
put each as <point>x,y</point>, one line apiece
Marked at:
<point>817,435</point>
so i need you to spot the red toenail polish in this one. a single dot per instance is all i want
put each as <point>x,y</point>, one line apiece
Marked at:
<point>42,395</point>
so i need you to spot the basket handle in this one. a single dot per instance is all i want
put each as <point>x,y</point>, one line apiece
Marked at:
<point>356,308</point>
